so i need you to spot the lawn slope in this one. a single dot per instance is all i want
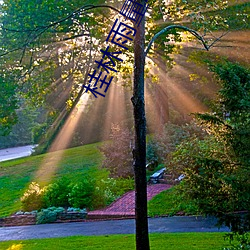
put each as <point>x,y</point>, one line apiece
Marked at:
<point>16,175</point>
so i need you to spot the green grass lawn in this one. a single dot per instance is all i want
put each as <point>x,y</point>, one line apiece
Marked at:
<point>169,203</point>
<point>171,241</point>
<point>16,175</point>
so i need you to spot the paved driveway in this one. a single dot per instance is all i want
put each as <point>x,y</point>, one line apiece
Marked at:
<point>156,225</point>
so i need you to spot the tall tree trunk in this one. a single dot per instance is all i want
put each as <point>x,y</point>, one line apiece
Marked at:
<point>139,152</point>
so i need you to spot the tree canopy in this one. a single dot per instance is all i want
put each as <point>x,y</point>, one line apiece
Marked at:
<point>55,43</point>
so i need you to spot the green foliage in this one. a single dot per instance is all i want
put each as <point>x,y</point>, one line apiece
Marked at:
<point>103,193</point>
<point>81,194</point>
<point>38,131</point>
<point>118,153</point>
<point>65,193</point>
<point>57,193</point>
<point>48,215</point>
<point>91,193</point>
<point>32,43</point>
<point>108,190</point>
<point>202,15</point>
<point>16,175</point>
<point>152,156</point>
<point>8,105</point>
<point>73,209</point>
<point>21,132</point>
<point>242,241</point>
<point>205,175</point>
<point>166,141</point>
<point>232,119</point>
<point>236,16</point>
<point>32,198</point>
<point>216,168</point>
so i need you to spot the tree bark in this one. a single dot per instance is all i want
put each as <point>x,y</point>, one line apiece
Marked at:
<point>139,151</point>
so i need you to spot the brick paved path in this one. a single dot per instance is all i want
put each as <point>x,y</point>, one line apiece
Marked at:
<point>124,207</point>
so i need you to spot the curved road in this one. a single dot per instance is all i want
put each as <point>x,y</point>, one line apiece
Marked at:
<point>156,225</point>
<point>17,152</point>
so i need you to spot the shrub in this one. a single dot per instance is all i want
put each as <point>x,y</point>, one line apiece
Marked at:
<point>81,194</point>
<point>208,179</point>
<point>103,194</point>
<point>152,156</point>
<point>73,209</point>
<point>48,215</point>
<point>109,189</point>
<point>243,242</point>
<point>33,197</point>
<point>57,193</point>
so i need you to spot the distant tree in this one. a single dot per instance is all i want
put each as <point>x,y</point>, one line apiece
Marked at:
<point>217,168</point>
<point>8,105</point>
<point>118,155</point>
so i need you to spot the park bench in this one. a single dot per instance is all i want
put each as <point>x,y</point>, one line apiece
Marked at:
<point>182,176</point>
<point>155,177</point>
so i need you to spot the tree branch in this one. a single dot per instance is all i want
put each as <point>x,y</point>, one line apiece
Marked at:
<point>218,38</point>
<point>79,11</point>
<point>193,32</point>
<point>42,29</point>
<point>74,13</point>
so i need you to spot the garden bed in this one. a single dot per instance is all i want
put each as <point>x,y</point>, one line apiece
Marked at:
<point>30,219</point>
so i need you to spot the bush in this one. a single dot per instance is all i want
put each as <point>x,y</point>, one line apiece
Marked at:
<point>208,179</point>
<point>33,198</point>
<point>109,189</point>
<point>152,155</point>
<point>81,194</point>
<point>103,194</point>
<point>48,215</point>
<point>85,194</point>
<point>78,210</point>
<point>57,193</point>
<point>243,242</point>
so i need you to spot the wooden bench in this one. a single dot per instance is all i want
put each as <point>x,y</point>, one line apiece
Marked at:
<point>155,177</point>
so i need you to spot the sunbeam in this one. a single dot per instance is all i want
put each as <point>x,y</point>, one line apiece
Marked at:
<point>50,163</point>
